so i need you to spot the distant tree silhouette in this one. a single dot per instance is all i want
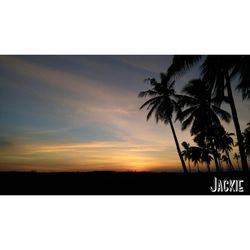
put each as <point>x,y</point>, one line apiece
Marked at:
<point>206,138</point>
<point>206,157</point>
<point>224,158</point>
<point>219,71</point>
<point>199,110</point>
<point>163,104</point>
<point>225,143</point>
<point>196,156</point>
<point>246,139</point>
<point>237,157</point>
<point>186,153</point>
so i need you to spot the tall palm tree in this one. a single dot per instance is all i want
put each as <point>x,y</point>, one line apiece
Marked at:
<point>163,104</point>
<point>219,71</point>
<point>199,110</point>
<point>186,153</point>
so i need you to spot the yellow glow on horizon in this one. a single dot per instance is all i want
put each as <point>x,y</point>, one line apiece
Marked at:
<point>105,155</point>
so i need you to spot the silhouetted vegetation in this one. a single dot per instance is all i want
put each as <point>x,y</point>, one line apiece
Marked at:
<point>199,107</point>
<point>163,103</point>
<point>246,140</point>
<point>199,110</point>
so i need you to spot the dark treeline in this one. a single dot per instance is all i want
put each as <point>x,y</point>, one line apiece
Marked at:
<point>198,108</point>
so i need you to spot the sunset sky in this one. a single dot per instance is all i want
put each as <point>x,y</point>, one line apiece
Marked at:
<point>81,113</point>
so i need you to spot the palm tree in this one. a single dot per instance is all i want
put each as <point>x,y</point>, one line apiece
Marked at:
<point>206,157</point>
<point>242,69</point>
<point>195,156</point>
<point>225,159</point>
<point>201,113</point>
<point>246,140</point>
<point>225,144</point>
<point>237,157</point>
<point>186,153</point>
<point>218,71</point>
<point>163,104</point>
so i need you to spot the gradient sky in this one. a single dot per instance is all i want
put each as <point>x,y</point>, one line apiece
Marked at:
<point>81,113</point>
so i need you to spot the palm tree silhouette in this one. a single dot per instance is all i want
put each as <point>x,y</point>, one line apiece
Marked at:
<point>237,157</point>
<point>199,110</point>
<point>195,156</point>
<point>225,144</point>
<point>186,153</point>
<point>163,104</point>
<point>218,71</point>
<point>224,158</point>
<point>246,140</point>
<point>242,70</point>
<point>206,157</point>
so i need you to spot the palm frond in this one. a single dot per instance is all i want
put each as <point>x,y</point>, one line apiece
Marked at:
<point>182,63</point>
<point>184,113</point>
<point>146,93</point>
<point>186,123</point>
<point>148,102</point>
<point>153,108</point>
<point>224,115</point>
<point>185,100</point>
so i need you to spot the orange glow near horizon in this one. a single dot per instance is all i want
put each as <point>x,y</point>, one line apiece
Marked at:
<point>114,156</point>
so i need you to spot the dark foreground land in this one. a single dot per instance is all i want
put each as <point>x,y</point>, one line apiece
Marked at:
<point>115,183</point>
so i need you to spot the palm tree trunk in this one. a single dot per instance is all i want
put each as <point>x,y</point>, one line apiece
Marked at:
<point>238,164</point>
<point>221,165</point>
<point>189,166</point>
<point>219,162</point>
<point>178,146</point>
<point>198,168</point>
<point>230,164</point>
<point>214,152</point>
<point>236,124</point>
<point>208,167</point>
